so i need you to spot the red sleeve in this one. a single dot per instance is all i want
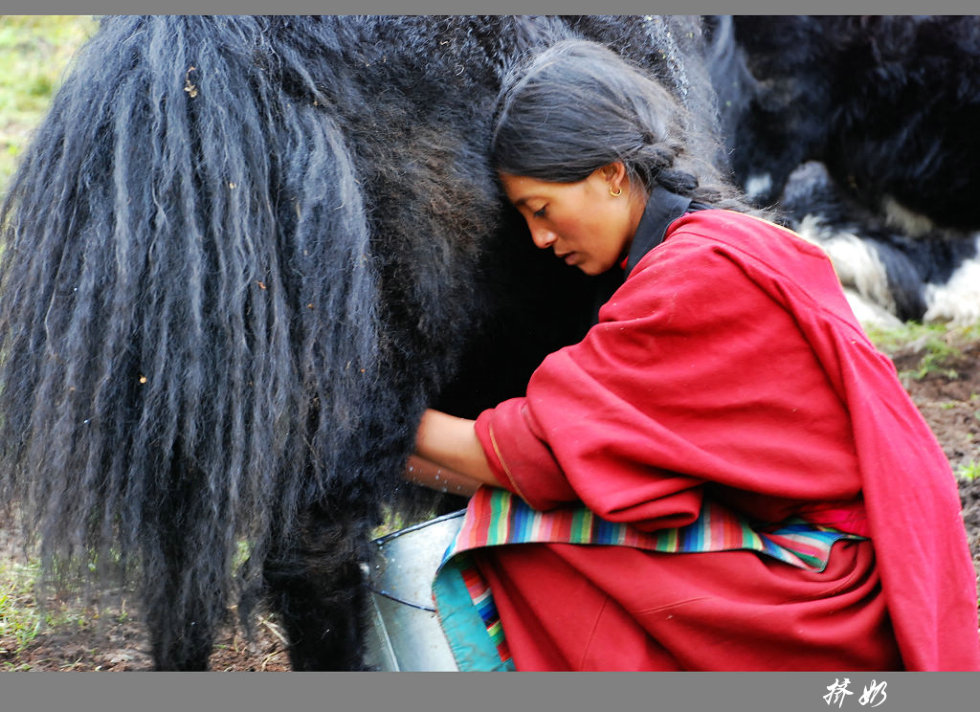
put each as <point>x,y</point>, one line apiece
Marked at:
<point>527,452</point>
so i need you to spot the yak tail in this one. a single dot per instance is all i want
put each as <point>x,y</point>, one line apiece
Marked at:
<point>188,309</point>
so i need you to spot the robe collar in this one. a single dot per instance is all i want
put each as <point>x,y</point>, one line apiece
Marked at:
<point>662,208</point>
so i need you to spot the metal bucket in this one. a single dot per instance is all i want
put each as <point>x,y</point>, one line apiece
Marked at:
<point>404,631</point>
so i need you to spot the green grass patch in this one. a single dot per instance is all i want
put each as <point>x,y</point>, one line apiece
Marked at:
<point>935,344</point>
<point>20,620</point>
<point>913,333</point>
<point>969,471</point>
<point>34,53</point>
<point>21,616</point>
<point>32,601</point>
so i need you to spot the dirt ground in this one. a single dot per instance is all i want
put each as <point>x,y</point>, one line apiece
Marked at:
<point>113,638</point>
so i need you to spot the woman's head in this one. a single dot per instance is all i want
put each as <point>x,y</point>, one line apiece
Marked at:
<point>575,128</point>
<point>578,106</point>
<point>589,223</point>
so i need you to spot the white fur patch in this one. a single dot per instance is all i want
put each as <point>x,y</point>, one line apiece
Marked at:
<point>958,300</point>
<point>758,185</point>
<point>856,263</point>
<point>869,313</point>
<point>901,218</point>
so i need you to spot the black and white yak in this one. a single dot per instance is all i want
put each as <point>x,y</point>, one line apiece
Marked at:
<point>862,132</point>
<point>241,256</point>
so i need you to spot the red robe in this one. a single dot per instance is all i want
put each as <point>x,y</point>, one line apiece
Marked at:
<point>729,365</point>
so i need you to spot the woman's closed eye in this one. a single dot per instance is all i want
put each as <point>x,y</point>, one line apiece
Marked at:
<point>539,213</point>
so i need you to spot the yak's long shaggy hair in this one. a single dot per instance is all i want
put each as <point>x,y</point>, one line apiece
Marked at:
<point>890,104</point>
<point>241,256</point>
<point>862,131</point>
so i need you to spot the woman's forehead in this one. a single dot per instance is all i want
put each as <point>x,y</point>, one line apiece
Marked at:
<point>520,189</point>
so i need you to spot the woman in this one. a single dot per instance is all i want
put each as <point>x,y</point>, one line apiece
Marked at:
<point>774,498</point>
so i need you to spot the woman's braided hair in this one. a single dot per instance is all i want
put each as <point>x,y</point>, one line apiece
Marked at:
<point>577,106</point>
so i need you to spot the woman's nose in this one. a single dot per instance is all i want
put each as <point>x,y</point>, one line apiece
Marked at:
<point>543,237</point>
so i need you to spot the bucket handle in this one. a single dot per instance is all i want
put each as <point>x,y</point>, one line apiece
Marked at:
<point>395,598</point>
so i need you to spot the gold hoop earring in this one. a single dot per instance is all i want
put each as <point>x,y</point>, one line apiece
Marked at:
<point>618,192</point>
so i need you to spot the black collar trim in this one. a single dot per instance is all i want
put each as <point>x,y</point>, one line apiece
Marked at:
<point>663,207</point>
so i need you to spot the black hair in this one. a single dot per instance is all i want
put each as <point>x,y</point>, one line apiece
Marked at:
<point>577,106</point>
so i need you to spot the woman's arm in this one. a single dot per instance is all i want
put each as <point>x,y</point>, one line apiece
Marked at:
<point>448,456</point>
<point>442,479</point>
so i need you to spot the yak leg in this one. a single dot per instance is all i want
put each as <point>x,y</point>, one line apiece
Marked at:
<point>185,577</point>
<point>317,588</point>
<point>179,643</point>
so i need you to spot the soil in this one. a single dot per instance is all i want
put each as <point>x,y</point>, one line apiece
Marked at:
<point>947,393</point>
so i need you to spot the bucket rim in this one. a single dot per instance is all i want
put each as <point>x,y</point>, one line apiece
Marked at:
<point>421,525</point>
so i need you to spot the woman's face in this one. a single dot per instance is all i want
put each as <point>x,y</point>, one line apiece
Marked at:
<point>587,226</point>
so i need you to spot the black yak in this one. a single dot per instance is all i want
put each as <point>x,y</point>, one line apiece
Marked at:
<point>241,256</point>
<point>887,107</point>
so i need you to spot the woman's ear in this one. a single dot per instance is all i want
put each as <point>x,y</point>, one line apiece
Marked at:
<point>615,175</point>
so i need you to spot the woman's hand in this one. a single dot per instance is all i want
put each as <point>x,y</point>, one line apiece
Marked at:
<point>448,456</point>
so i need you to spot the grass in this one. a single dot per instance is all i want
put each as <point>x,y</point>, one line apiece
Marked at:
<point>20,620</point>
<point>969,471</point>
<point>34,52</point>
<point>23,616</point>
<point>935,342</point>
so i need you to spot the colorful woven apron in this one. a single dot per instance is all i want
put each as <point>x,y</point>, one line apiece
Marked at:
<point>494,516</point>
